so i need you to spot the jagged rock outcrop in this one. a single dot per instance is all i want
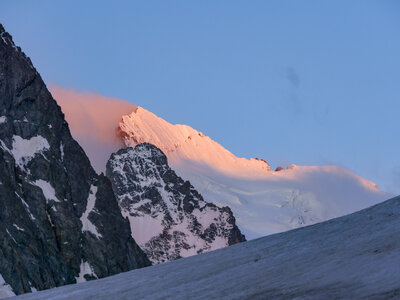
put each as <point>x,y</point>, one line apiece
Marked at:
<point>59,221</point>
<point>169,218</point>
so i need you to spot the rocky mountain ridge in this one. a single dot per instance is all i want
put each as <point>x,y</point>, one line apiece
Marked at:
<point>59,221</point>
<point>169,218</point>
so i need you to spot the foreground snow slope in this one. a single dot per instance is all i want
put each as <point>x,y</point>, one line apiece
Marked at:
<point>355,256</point>
<point>263,201</point>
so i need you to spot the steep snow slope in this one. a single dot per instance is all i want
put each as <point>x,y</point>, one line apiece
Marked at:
<point>182,143</point>
<point>263,201</point>
<point>352,257</point>
<point>169,218</point>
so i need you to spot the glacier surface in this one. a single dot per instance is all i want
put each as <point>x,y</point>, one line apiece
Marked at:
<point>351,257</point>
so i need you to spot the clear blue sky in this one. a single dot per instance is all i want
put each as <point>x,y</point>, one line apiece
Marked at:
<point>304,82</point>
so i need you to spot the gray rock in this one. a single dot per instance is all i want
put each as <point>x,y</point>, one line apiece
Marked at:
<point>59,220</point>
<point>169,218</point>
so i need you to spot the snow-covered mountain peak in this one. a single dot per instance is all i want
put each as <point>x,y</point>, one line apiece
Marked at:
<point>182,143</point>
<point>263,201</point>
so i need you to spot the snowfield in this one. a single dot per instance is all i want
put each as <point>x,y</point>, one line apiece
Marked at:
<point>352,257</point>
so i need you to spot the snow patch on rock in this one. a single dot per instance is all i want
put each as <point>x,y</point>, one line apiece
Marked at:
<point>87,225</point>
<point>26,206</point>
<point>24,150</point>
<point>5,289</point>
<point>85,269</point>
<point>18,228</point>
<point>48,190</point>
<point>62,151</point>
<point>11,236</point>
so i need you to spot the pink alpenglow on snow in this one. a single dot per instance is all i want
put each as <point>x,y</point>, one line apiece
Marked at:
<point>263,201</point>
<point>182,143</point>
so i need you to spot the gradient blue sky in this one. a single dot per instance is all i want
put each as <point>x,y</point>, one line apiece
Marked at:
<point>304,82</point>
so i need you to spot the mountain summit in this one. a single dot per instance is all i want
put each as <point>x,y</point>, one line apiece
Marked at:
<point>182,143</point>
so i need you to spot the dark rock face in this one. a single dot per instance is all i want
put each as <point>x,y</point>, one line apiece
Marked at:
<point>59,220</point>
<point>169,218</point>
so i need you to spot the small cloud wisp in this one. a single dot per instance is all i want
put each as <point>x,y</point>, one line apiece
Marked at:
<point>93,120</point>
